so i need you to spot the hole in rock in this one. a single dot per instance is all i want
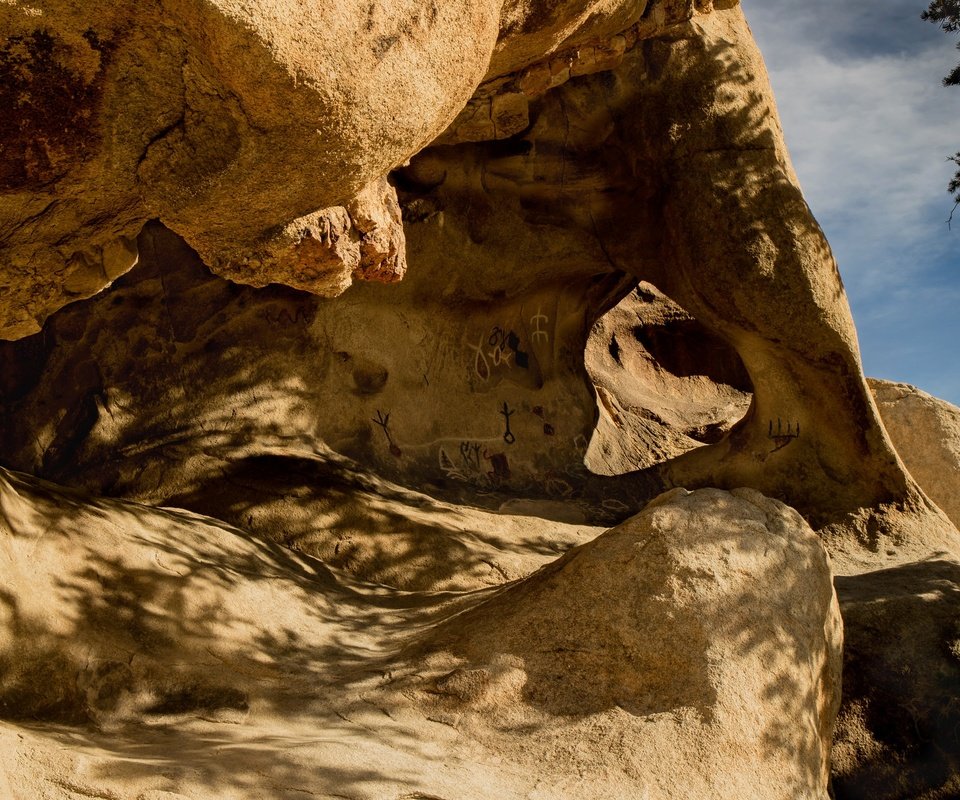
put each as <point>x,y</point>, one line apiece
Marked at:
<point>664,384</point>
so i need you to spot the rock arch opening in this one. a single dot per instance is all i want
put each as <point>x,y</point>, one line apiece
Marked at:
<point>664,384</point>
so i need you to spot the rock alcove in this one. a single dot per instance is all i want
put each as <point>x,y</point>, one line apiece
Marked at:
<point>556,515</point>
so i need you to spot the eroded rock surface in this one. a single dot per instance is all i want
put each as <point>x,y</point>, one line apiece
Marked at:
<point>234,122</point>
<point>664,384</point>
<point>685,148</point>
<point>706,662</point>
<point>242,125</point>
<point>176,387</point>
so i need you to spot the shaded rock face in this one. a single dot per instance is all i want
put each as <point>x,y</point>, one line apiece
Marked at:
<point>699,680</point>
<point>897,729</point>
<point>165,389</point>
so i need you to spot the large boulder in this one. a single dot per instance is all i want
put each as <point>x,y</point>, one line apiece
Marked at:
<point>693,651</point>
<point>249,127</point>
<point>235,122</point>
<point>926,432</point>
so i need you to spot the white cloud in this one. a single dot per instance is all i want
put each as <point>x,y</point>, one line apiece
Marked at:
<point>869,126</point>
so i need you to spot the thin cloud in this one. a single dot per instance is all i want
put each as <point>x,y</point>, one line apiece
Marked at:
<point>869,127</point>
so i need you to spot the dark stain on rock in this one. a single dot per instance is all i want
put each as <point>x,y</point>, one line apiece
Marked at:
<point>369,378</point>
<point>50,107</point>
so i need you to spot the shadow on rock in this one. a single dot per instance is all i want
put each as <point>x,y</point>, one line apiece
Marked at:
<point>898,733</point>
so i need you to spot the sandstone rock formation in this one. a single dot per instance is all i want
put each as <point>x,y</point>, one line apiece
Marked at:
<point>527,663</point>
<point>926,433</point>
<point>632,184</point>
<point>705,663</point>
<point>685,147</point>
<point>234,122</point>
<point>896,728</point>
<point>176,387</point>
<point>523,165</point>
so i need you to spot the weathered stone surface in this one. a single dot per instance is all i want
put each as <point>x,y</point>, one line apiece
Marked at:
<point>897,729</point>
<point>562,40</point>
<point>322,252</point>
<point>664,384</point>
<point>684,149</point>
<point>706,663</point>
<point>227,119</point>
<point>520,232</point>
<point>692,669</point>
<point>926,432</point>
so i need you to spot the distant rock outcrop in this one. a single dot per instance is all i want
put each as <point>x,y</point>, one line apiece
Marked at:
<point>926,432</point>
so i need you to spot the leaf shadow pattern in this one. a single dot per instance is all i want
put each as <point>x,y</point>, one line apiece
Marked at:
<point>167,389</point>
<point>713,613</point>
<point>128,624</point>
<point>274,670</point>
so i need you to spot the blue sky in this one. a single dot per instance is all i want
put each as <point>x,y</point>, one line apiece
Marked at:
<point>869,126</point>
